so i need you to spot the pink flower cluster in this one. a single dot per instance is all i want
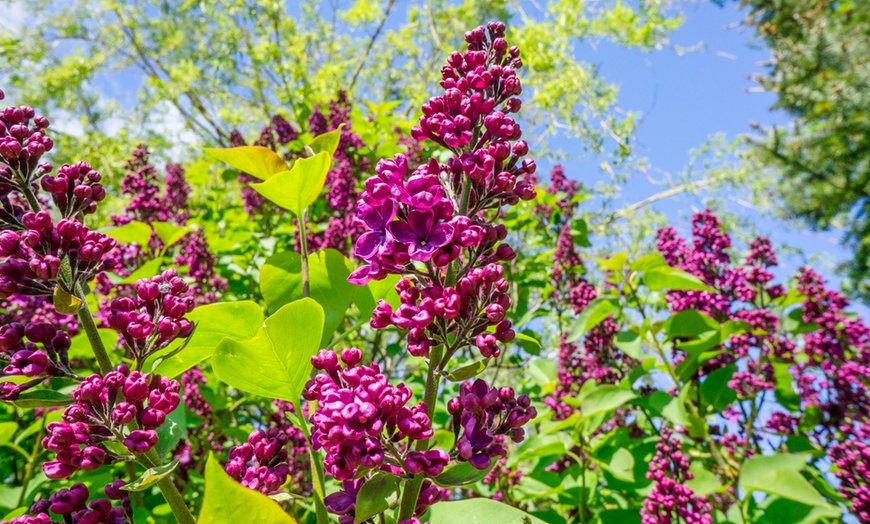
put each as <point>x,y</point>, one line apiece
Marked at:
<point>71,504</point>
<point>670,499</point>
<point>361,418</point>
<point>32,251</point>
<point>418,223</point>
<point>478,301</point>
<point>106,408</point>
<point>261,463</point>
<point>482,416</point>
<point>26,358</point>
<point>155,317</point>
<point>76,189</point>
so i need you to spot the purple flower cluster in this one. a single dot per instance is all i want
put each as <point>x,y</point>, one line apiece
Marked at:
<point>670,499</point>
<point>123,406</point>
<point>852,459</point>
<point>431,224</point>
<point>261,463</point>
<point>149,205</point>
<point>71,505</point>
<point>478,301</point>
<point>361,418</point>
<point>31,252</point>
<point>482,416</point>
<point>343,501</point>
<point>76,189</point>
<point>26,358</point>
<point>155,317</point>
<point>22,144</point>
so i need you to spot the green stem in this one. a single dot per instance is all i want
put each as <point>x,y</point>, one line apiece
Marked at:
<point>167,488</point>
<point>303,237</point>
<point>317,474</point>
<point>28,193</point>
<point>433,379</point>
<point>31,462</point>
<point>135,496</point>
<point>87,321</point>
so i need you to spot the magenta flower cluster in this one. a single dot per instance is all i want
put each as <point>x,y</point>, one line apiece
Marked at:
<point>155,317</point>
<point>26,358</point>
<point>33,248</point>
<point>670,499</point>
<point>361,418</point>
<point>261,463</point>
<point>478,301</point>
<point>431,224</point>
<point>71,505</point>
<point>482,416</point>
<point>122,406</point>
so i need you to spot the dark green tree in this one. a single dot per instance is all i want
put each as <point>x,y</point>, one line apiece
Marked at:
<point>820,70</point>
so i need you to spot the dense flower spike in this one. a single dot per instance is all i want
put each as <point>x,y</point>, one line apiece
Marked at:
<point>358,412</point>
<point>123,406</point>
<point>481,416</point>
<point>261,463</point>
<point>155,317</point>
<point>670,500</point>
<point>431,223</point>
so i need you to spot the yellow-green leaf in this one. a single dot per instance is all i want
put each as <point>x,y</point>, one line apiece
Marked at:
<point>259,162</point>
<point>298,188</point>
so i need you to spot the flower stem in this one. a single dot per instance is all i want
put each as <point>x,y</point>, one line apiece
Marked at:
<point>31,462</point>
<point>303,237</point>
<point>87,321</point>
<point>433,379</point>
<point>167,488</point>
<point>317,474</point>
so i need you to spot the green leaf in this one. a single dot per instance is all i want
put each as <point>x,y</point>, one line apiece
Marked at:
<point>276,362</point>
<point>704,482</point>
<point>150,477</point>
<point>605,398</point>
<point>327,142</point>
<point>543,371</point>
<point>172,431</point>
<point>689,324</point>
<point>594,314</point>
<point>228,502</point>
<point>794,323</point>
<point>298,188</point>
<point>259,162</point>
<point>42,398</point>
<point>479,511</point>
<point>147,270</point>
<point>715,390</point>
<point>133,233</point>
<point>648,262</point>
<point>663,277</point>
<point>65,303</point>
<point>461,474</point>
<point>467,372</point>
<point>614,263</point>
<point>629,343</point>
<point>785,392</point>
<point>375,496</point>
<point>80,346</point>
<point>527,338</point>
<point>621,465</point>
<point>7,431</point>
<point>214,322</point>
<point>169,234</point>
<point>780,475</point>
<point>328,269</point>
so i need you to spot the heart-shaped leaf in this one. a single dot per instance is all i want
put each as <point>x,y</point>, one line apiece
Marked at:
<point>298,188</point>
<point>259,162</point>
<point>276,362</point>
<point>226,501</point>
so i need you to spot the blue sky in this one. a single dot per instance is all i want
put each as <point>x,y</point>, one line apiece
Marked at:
<point>686,98</point>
